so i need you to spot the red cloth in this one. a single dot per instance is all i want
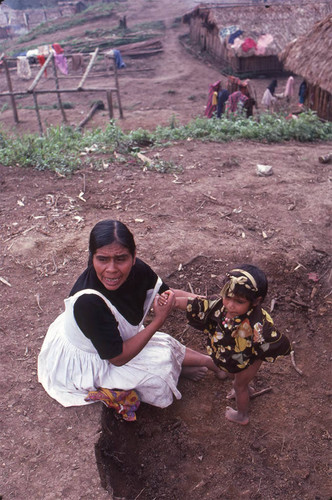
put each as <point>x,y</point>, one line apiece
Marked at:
<point>248,44</point>
<point>41,60</point>
<point>58,49</point>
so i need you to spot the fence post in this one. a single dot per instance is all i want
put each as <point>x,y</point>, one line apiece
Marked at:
<point>10,88</point>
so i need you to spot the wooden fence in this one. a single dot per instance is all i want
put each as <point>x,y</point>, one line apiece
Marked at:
<point>80,88</point>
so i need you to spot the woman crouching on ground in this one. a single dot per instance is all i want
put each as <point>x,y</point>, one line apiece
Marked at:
<point>100,341</point>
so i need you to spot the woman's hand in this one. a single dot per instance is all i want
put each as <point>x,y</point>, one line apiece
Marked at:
<point>163,298</point>
<point>163,304</point>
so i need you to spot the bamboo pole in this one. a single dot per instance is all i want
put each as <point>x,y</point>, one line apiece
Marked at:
<point>58,93</point>
<point>109,103</point>
<point>40,72</point>
<point>117,89</point>
<point>91,62</point>
<point>37,113</point>
<point>10,88</point>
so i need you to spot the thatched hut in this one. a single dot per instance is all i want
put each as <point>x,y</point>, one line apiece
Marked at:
<point>261,32</point>
<point>310,56</point>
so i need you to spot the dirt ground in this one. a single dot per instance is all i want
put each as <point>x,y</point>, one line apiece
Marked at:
<point>190,227</point>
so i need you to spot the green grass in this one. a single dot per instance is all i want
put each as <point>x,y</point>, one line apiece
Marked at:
<point>63,149</point>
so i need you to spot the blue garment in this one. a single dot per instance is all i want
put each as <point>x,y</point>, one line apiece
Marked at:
<point>234,35</point>
<point>222,98</point>
<point>118,59</point>
<point>302,92</point>
<point>227,31</point>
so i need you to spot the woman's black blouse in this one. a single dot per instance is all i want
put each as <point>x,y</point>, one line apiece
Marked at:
<point>96,320</point>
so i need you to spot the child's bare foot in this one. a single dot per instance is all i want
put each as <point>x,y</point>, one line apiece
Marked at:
<point>194,373</point>
<point>220,375</point>
<point>235,416</point>
<point>231,394</point>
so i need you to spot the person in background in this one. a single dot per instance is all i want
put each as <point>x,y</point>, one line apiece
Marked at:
<point>302,92</point>
<point>223,96</point>
<point>269,97</point>
<point>240,100</point>
<point>212,101</point>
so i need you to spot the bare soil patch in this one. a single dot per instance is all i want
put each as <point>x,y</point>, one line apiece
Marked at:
<point>190,227</point>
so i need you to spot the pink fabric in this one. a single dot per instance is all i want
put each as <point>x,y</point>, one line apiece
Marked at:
<point>234,100</point>
<point>262,43</point>
<point>61,62</point>
<point>248,44</point>
<point>289,90</point>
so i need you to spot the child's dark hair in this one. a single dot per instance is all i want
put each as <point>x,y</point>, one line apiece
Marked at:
<point>255,282</point>
<point>107,232</point>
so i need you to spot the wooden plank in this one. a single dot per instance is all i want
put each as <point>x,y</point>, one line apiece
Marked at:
<point>40,72</point>
<point>60,91</point>
<point>92,60</point>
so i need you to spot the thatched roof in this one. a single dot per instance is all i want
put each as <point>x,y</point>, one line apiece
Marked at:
<point>283,21</point>
<point>311,55</point>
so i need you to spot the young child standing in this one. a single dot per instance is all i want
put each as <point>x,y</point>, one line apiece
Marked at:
<point>240,334</point>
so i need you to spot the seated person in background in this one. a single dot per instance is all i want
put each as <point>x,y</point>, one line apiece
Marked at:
<point>240,100</point>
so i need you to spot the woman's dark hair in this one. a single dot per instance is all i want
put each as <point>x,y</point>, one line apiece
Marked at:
<point>261,282</point>
<point>273,86</point>
<point>107,232</point>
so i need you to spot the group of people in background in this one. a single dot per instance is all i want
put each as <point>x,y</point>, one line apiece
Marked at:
<point>222,101</point>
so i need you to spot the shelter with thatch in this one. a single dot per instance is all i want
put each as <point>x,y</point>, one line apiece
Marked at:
<point>310,56</point>
<point>246,39</point>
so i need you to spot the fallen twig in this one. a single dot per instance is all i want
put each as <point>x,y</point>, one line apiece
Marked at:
<point>190,261</point>
<point>273,303</point>
<point>139,494</point>
<point>5,282</point>
<point>38,303</point>
<point>260,393</point>
<point>292,355</point>
<point>300,303</point>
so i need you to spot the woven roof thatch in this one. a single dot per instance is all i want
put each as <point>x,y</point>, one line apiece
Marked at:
<point>283,21</point>
<point>311,55</point>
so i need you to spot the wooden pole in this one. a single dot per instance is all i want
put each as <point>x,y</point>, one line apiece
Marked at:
<point>38,114</point>
<point>40,72</point>
<point>95,107</point>
<point>117,88</point>
<point>109,103</point>
<point>91,62</point>
<point>58,93</point>
<point>10,88</point>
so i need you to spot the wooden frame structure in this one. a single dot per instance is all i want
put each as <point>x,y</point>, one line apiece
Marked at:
<point>34,91</point>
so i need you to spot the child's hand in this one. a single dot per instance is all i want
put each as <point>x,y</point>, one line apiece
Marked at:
<point>163,298</point>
